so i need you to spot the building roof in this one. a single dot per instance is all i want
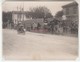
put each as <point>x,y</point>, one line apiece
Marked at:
<point>70,4</point>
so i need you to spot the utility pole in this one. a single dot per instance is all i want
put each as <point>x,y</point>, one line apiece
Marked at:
<point>23,13</point>
<point>20,14</point>
<point>17,15</point>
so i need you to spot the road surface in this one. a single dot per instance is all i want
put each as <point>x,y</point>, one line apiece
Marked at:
<point>37,46</point>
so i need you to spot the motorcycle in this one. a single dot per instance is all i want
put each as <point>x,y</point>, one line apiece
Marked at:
<point>21,30</point>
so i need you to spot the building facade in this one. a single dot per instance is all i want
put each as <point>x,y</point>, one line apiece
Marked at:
<point>70,11</point>
<point>18,16</point>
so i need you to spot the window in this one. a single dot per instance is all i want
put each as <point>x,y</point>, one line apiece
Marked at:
<point>67,11</point>
<point>74,10</point>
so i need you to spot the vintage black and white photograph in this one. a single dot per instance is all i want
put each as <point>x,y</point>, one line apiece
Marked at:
<point>40,30</point>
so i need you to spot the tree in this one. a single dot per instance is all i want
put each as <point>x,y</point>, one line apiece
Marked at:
<point>6,18</point>
<point>40,12</point>
<point>59,14</point>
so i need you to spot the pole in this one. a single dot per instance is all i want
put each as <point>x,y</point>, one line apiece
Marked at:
<point>20,14</point>
<point>23,14</point>
<point>23,11</point>
<point>17,14</point>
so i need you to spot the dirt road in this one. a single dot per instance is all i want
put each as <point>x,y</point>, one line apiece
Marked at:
<point>38,46</point>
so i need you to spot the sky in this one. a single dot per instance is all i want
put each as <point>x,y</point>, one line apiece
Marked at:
<point>53,6</point>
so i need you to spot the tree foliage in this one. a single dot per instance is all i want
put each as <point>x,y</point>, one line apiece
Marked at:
<point>59,14</point>
<point>7,16</point>
<point>40,12</point>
